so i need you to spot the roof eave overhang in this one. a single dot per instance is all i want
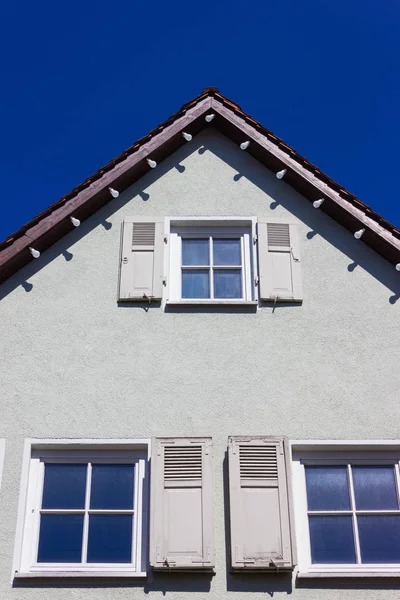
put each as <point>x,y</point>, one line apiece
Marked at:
<point>165,142</point>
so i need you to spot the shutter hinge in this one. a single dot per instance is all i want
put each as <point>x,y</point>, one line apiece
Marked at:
<point>125,260</point>
<point>280,447</point>
<point>169,563</point>
<point>149,298</point>
<point>164,281</point>
<point>296,259</point>
<point>256,280</point>
<point>255,238</point>
<point>165,239</point>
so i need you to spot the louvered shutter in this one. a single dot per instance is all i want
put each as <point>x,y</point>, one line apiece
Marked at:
<point>181,504</point>
<point>142,249</point>
<point>260,523</point>
<point>279,262</point>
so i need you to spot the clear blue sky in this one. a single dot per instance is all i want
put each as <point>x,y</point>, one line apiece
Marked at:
<point>82,80</point>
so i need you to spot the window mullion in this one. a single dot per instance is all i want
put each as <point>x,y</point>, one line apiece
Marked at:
<point>86,516</point>
<point>354,516</point>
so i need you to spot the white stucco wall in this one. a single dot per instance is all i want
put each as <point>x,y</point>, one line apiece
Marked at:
<point>75,364</point>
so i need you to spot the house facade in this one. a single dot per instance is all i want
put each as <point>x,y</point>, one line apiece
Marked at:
<point>200,381</point>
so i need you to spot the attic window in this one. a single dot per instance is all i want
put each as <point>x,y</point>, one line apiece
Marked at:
<point>211,262</point>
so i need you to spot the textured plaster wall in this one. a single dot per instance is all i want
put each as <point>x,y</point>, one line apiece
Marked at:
<point>75,364</point>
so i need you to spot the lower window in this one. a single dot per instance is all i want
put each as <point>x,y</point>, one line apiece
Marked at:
<point>348,511</point>
<point>85,510</point>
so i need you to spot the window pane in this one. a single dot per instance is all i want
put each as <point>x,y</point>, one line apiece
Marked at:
<point>327,488</point>
<point>195,252</point>
<point>195,284</point>
<point>227,252</point>
<point>64,486</point>
<point>60,538</point>
<point>332,540</point>
<point>110,539</point>
<point>375,487</point>
<point>112,486</point>
<point>379,538</point>
<point>227,283</point>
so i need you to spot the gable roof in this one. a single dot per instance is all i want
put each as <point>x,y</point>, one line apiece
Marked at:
<point>85,199</point>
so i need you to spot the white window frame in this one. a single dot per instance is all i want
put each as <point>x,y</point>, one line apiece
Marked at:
<point>243,228</point>
<point>36,453</point>
<point>332,452</point>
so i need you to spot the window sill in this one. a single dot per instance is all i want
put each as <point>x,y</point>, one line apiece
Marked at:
<point>249,303</point>
<point>80,575</point>
<point>347,574</point>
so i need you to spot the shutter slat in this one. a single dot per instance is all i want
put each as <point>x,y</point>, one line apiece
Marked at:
<point>258,462</point>
<point>143,234</point>
<point>278,235</point>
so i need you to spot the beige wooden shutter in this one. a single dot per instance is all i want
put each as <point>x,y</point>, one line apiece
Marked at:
<point>181,504</point>
<point>279,262</point>
<point>142,249</point>
<point>260,523</point>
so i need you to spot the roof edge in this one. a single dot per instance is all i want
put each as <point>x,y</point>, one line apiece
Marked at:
<point>86,198</point>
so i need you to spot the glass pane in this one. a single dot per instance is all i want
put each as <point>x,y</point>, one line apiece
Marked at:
<point>110,539</point>
<point>195,252</point>
<point>60,538</point>
<point>379,538</point>
<point>195,284</point>
<point>375,487</point>
<point>227,252</point>
<point>112,486</point>
<point>332,540</point>
<point>227,283</point>
<point>64,486</point>
<point>327,488</point>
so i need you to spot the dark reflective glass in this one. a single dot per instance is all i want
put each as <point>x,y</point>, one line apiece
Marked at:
<point>227,283</point>
<point>332,540</point>
<point>375,487</point>
<point>227,252</point>
<point>60,539</point>
<point>64,485</point>
<point>195,283</point>
<point>110,539</point>
<point>327,488</point>
<point>112,486</point>
<point>379,538</point>
<point>195,252</point>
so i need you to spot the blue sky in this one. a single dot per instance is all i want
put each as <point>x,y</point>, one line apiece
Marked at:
<point>83,80</point>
